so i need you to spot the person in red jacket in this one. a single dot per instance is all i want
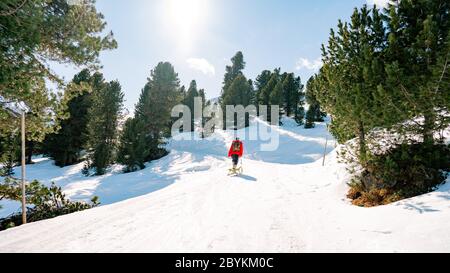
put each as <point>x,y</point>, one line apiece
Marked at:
<point>236,151</point>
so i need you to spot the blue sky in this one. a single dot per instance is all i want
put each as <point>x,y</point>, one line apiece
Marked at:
<point>200,36</point>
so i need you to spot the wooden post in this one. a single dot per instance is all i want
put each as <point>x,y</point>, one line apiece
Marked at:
<point>24,208</point>
<point>325,150</point>
<point>326,143</point>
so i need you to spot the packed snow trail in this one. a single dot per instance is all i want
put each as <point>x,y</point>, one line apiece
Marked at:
<point>284,202</point>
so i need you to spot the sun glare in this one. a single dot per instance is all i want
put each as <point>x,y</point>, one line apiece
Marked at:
<point>187,17</point>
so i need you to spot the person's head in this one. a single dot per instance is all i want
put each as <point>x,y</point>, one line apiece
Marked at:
<point>237,139</point>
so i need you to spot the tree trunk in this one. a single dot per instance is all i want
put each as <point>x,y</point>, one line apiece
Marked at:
<point>362,142</point>
<point>428,128</point>
<point>29,153</point>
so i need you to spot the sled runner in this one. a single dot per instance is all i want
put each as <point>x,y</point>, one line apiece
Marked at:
<point>235,171</point>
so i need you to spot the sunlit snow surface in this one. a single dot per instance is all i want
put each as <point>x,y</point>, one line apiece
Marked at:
<point>285,201</point>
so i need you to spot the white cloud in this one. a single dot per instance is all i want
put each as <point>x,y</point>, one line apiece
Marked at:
<point>201,64</point>
<point>304,63</point>
<point>379,3</point>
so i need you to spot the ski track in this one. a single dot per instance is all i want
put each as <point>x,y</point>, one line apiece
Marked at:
<point>272,207</point>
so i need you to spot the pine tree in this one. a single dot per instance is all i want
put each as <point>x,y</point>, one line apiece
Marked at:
<point>133,147</point>
<point>417,61</point>
<point>299,110</point>
<point>103,124</point>
<point>183,93</point>
<point>348,82</point>
<point>290,94</point>
<point>31,148</point>
<point>314,113</point>
<point>276,97</point>
<point>66,145</point>
<point>267,91</point>
<point>202,95</point>
<point>390,71</point>
<point>309,119</point>
<point>260,83</point>
<point>299,116</point>
<point>33,36</point>
<point>250,97</point>
<point>9,153</point>
<point>238,94</point>
<point>205,104</point>
<point>291,100</point>
<point>237,90</point>
<point>191,94</point>
<point>211,105</point>
<point>233,71</point>
<point>160,94</point>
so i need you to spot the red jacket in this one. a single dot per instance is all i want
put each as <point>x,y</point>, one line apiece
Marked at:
<point>241,150</point>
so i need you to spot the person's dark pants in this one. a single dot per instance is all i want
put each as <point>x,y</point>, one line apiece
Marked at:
<point>235,159</point>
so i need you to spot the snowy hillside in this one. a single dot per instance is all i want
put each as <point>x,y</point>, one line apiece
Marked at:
<point>285,201</point>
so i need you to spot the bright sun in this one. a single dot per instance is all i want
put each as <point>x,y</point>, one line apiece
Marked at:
<point>187,18</point>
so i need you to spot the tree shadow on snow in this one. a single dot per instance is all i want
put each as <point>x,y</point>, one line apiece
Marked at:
<point>420,207</point>
<point>157,175</point>
<point>442,192</point>
<point>296,145</point>
<point>287,153</point>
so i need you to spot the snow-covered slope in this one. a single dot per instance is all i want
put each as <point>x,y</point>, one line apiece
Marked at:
<point>285,201</point>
